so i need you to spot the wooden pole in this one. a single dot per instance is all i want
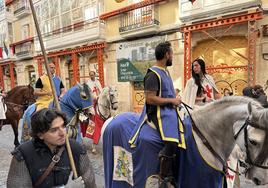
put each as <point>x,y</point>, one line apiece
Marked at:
<point>52,85</point>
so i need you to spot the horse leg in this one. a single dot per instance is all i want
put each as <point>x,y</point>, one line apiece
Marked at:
<point>14,125</point>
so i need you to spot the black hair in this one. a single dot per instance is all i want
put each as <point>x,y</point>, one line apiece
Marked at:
<point>41,120</point>
<point>161,50</point>
<point>196,77</point>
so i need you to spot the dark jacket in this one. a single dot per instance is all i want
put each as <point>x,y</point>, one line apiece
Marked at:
<point>38,156</point>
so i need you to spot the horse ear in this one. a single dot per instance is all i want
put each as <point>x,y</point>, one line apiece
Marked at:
<point>80,86</point>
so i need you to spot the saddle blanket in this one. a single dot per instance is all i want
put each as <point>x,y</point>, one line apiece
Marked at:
<point>126,167</point>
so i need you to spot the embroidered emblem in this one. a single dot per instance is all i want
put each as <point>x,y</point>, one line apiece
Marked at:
<point>123,164</point>
<point>90,128</point>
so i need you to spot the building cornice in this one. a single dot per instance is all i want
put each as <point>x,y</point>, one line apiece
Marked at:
<point>129,8</point>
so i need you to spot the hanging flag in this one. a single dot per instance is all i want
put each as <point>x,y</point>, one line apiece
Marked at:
<point>1,53</point>
<point>5,49</point>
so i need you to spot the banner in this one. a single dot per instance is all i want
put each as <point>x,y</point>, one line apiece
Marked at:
<point>135,57</point>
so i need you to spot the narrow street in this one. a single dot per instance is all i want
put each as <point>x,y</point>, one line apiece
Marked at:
<point>6,146</point>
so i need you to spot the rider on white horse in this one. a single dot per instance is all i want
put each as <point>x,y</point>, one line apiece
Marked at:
<point>159,109</point>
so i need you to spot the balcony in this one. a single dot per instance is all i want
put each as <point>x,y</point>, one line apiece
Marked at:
<point>22,10</point>
<point>142,21</point>
<point>24,51</point>
<point>72,35</point>
<point>207,9</point>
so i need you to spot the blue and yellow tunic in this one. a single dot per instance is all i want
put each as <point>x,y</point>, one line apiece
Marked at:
<point>170,126</point>
<point>45,100</point>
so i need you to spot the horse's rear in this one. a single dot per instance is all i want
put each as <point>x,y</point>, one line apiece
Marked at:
<point>125,166</point>
<point>16,101</point>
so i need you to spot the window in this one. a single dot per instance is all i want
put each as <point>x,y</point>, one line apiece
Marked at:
<point>25,31</point>
<point>2,5</point>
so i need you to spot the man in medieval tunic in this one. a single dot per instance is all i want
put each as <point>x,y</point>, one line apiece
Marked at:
<point>43,89</point>
<point>96,89</point>
<point>160,110</point>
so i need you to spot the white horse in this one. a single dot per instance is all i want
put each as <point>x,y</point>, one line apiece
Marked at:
<point>106,102</point>
<point>219,127</point>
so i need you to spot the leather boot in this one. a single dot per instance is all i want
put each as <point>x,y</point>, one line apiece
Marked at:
<point>167,170</point>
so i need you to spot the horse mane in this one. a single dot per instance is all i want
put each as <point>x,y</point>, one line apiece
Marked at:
<point>231,100</point>
<point>14,90</point>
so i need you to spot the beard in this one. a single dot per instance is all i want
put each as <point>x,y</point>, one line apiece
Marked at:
<point>169,62</point>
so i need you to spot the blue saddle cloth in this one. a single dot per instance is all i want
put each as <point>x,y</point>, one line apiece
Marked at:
<point>142,161</point>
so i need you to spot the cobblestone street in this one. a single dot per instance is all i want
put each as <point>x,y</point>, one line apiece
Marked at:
<point>6,145</point>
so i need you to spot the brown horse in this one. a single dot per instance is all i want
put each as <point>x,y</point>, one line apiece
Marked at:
<point>17,100</point>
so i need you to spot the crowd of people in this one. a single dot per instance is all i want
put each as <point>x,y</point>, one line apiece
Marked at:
<point>33,162</point>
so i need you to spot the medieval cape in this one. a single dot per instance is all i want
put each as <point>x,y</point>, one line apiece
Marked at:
<point>190,91</point>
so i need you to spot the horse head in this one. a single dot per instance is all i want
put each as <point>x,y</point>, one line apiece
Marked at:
<point>255,137</point>
<point>22,95</point>
<point>107,101</point>
<point>79,98</point>
<point>28,95</point>
<point>235,120</point>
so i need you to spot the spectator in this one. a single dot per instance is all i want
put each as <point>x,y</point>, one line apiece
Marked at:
<point>201,88</point>
<point>32,159</point>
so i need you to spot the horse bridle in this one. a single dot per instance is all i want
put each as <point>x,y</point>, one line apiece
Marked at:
<point>248,162</point>
<point>111,103</point>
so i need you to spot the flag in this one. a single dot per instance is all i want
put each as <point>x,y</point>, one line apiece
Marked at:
<point>1,53</point>
<point>5,49</point>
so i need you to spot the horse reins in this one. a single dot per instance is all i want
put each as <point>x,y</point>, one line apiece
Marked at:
<point>248,162</point>
<point>205,141</point>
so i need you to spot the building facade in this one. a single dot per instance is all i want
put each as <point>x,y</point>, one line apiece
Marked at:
<point>133,29</point>
<point>7,70</point>
<point>230,36</point>
<point>116,39</point>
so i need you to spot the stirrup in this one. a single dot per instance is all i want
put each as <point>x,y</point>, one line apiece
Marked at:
<point>166,181</point>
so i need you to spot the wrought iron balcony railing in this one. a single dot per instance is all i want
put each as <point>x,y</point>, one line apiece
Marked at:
<point>21,9</point>
<point>23,50</point>
<point>139,19</point>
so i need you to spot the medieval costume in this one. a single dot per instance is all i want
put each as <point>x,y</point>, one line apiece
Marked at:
<point>44,84</point>
<point>190,91</point>
<point>165,118</point>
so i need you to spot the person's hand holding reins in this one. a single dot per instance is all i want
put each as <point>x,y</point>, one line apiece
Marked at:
<point>175,101</point>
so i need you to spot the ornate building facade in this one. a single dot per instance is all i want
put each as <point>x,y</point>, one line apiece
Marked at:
<point>117,39</point>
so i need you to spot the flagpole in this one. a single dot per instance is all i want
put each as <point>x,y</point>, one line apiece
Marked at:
<point>52,85</point>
